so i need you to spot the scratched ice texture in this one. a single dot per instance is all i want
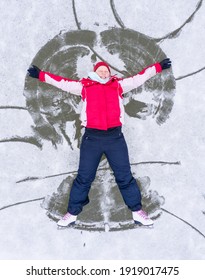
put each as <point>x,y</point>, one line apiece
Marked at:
<point>40,131</point>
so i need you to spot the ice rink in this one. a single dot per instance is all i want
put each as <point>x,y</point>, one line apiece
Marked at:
<point>164,127</point>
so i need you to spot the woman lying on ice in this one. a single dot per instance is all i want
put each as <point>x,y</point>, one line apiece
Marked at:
<point>102,116</point>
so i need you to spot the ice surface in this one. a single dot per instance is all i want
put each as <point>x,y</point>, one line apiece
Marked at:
<point>170,155</point>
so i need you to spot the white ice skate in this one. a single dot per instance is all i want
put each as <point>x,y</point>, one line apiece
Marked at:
<point>140,217</point>
<point>67,220</point>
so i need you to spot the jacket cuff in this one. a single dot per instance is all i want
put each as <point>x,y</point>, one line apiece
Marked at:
<point>158,67</point>
<point>42,76</point>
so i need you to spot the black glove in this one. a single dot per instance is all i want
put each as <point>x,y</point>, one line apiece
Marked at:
<point>34,71</point>
<point>165,63</point>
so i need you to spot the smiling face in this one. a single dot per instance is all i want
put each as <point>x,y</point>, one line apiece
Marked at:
<point>103,72</point>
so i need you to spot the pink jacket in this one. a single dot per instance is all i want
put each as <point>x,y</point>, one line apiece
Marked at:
<point>102,103</point>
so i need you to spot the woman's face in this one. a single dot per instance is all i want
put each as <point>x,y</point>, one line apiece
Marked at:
<point>103,72</point>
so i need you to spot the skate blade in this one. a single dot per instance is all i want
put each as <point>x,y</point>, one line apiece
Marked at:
<point>140,225</point>
<point>71,225</point>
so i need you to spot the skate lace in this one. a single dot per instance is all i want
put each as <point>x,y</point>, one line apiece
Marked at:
<point>66,216</point>
<point>143,214</point>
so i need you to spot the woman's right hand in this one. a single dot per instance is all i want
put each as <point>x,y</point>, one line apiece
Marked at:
<point>34,71</point>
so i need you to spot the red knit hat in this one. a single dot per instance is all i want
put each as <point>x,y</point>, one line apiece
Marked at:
<point>101,63</point>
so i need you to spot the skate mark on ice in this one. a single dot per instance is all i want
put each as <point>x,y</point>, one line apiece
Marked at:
<point>190,74</point>
<point>116,15</point>
<point>100,169</point>
<point>21,202</point>
<point>28,140</point>
<point>187,223</point>
<point>78,24</point>
<point>177,31</point>
<point>18,108</point>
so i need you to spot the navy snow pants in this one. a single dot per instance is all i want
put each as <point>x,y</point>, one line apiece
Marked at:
<point>94,144</point>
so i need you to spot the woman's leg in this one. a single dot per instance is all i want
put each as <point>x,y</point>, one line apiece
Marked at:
<point>117,155</point>
<point>90,155</point>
